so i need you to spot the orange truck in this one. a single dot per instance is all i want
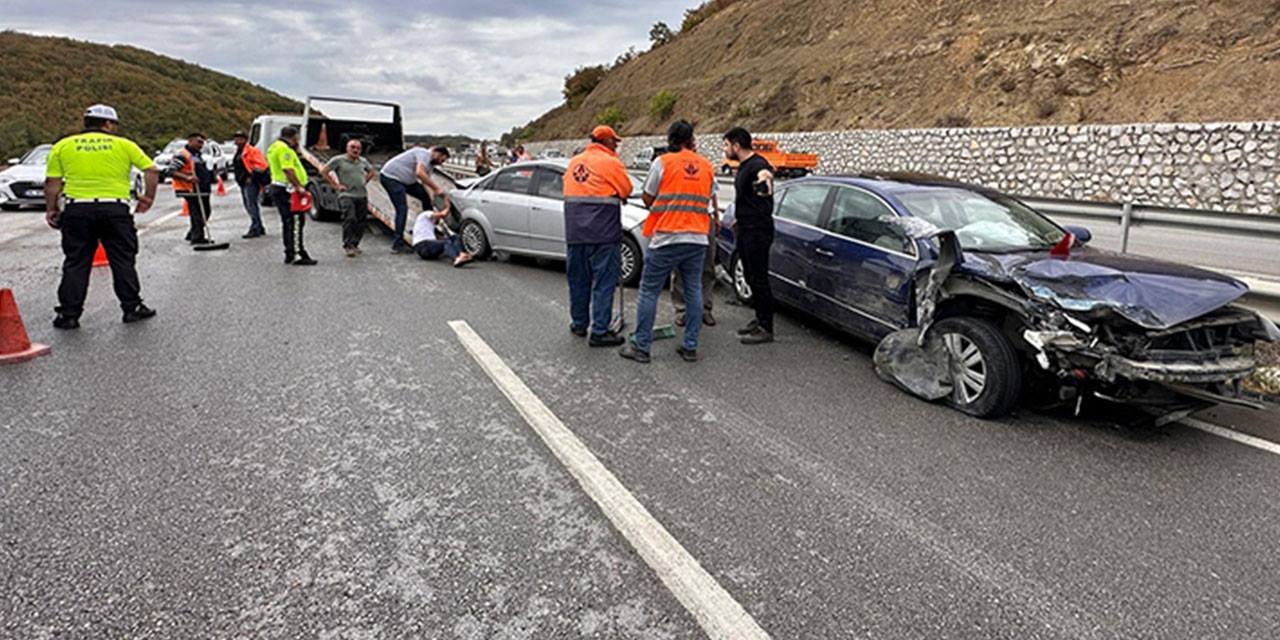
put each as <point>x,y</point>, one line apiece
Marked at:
<point>786,165</point>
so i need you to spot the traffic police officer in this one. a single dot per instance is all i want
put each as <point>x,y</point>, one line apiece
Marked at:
<point>91,169</point>
<point>595,186</point>
<point>289,178</point>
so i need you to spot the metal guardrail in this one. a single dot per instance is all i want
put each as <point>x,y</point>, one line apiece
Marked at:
<point>1129,216</point>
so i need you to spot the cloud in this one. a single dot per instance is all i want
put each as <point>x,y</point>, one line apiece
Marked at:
<point>471,66</point>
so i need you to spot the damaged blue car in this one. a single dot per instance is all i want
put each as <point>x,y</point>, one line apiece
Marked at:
<point>977,300</point>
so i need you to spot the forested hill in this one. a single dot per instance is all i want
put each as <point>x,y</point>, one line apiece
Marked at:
<point>47,83</point>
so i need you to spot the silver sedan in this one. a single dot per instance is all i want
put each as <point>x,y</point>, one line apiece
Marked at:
<point>520,210</point>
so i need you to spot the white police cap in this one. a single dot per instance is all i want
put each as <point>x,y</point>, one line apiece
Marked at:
<point>102,111</point>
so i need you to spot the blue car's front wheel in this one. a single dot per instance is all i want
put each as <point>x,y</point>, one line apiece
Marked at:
<point>739,273</point>
<point>985,372</point>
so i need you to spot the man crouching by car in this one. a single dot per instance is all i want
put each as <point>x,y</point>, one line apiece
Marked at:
<point>432,238</point>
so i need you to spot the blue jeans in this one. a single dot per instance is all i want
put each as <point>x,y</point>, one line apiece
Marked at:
<point>397,192</point>
<point>593,271</point>
<point>249,195</point>
<point>432,249</point>
<point>687,260</point>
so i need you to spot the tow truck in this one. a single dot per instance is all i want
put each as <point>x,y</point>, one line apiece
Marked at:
<point>785,165</point>
<point>326,125</point>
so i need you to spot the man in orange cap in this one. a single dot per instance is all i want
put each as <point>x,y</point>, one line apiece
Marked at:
<point>595,186</point>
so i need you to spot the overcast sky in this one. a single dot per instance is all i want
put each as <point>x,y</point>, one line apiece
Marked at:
<point>469,66</point>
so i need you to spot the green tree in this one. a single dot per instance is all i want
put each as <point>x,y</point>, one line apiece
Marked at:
<point>660,34</point>
<point>697,15</point>
<point>611,116</point>
<point>662,104</point>
<point>579,84</point>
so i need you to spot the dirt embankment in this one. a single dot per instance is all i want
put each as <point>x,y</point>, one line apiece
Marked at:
<point>783,65</point>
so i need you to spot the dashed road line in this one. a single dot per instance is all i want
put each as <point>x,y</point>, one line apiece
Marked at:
<point>1236,436</point>
<point>719,615</point>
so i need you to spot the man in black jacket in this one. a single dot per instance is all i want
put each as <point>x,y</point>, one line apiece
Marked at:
<point>753,227</point>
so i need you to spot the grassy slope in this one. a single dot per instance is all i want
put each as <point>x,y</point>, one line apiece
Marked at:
<point>49,81</point>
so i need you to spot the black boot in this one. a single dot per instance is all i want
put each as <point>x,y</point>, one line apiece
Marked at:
<point>140,312</point>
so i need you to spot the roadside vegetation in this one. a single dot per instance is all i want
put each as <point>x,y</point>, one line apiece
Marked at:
<point>48,82</point>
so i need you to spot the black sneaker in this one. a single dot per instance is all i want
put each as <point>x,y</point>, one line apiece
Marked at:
<point>140,312</point>
<point>254,234</point>
<point>751,326</point>
<point>65,322</point>
<point>304,261</point>
<point>581,332</point>
<point>758,335</point>
<point>606,339</point>
<point>689,355</point>
<point>289,259</point>
<point>630,352</point>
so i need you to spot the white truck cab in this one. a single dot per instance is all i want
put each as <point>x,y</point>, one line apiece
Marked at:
<point>266,128</point>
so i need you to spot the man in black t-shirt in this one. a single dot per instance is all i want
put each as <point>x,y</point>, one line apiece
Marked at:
<point>753,226</point>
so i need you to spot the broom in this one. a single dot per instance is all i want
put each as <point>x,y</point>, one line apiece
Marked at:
<point>204,223</point>
<point>660,332</point>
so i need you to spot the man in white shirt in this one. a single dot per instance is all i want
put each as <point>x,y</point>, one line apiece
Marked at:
<point>432,238</point>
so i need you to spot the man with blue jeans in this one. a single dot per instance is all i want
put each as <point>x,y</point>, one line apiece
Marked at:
<point>409,174</point>
<point>595,186</point>
<point>251,173</point>
<point>430,241</point>
<point>678,193</point>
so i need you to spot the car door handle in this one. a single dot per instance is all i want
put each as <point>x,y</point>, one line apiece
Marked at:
<point>824,253</point>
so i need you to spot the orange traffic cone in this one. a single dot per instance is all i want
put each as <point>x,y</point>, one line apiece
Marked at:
<point>186,213</point>
<point>222,188</point>
<point>100,257</point>
<point>15,346</point>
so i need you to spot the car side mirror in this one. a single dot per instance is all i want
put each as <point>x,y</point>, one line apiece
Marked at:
<point>1082,234</point>
<point>13,161</point>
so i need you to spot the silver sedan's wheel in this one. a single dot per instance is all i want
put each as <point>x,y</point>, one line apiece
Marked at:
<point>631,265</point>
<point>474,239</point>
<point>968,368</point>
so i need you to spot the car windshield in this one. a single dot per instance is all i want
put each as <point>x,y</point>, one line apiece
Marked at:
<point>174,145</point>
<point>983,222</point>
<point>37,155</point>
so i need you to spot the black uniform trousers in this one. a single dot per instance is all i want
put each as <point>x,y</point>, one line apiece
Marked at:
<point>199,208</point>
<point>291,223</point>
<point>753,249</point>
<point>83,226</point>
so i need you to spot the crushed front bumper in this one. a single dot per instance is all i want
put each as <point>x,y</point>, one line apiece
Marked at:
<point>1220,370</point>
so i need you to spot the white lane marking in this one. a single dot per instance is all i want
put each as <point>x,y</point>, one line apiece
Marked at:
<point>719,615</point>
<point>159,221</point>
<point>1223,432</point>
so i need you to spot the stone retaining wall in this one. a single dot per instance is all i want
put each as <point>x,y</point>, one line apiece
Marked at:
<point>1219,166</point>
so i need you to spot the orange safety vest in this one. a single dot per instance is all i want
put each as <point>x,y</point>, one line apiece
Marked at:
<point>252,159</point>
<point>595,186</point>
<point>188,166</point>
<point>684,195</point>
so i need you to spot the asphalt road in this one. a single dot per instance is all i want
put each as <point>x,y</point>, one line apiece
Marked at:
<point>310,452</point>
